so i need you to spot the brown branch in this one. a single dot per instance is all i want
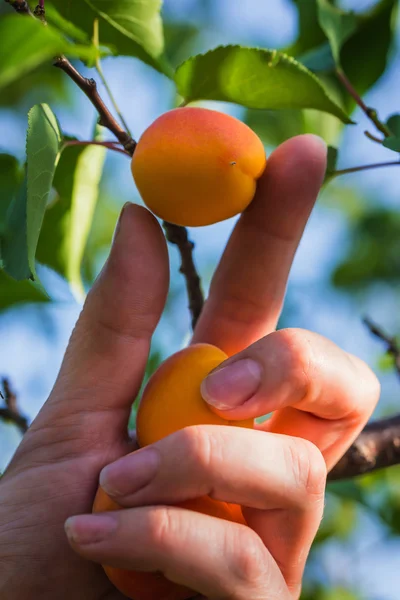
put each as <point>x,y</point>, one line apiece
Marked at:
<point>89,87</point>
<point>20,6</point>
<point>392,347</point>
<point>11,411</point>
<point>377,447</point>
<point>178,235</point>
<point>374,138</point>
<point>370,112</point>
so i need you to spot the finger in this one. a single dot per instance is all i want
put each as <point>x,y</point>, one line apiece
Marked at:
<point>248,288</point>
<point>314,389</point>
<point>197,461</point>
<point>106,357</point>
<point>213,557</point>
<point>279,479</point>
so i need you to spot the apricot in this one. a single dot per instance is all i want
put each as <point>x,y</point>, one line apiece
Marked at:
<point>171,401</point>
<point>195,166</point>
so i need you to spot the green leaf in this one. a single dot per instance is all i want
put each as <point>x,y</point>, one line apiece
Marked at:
<point>127,27</point>
<point>14,247</point>
<point>364,55</point>
<point>331,162</point>
<point>68,221</point>
<point>43,150</point>
<point>310,33</point>
<point>318,59</point>
<point>17,292</point>
<point>26,44</point>
<point>393,124</point>
<point>338,25</point>
<point>9,179</point>
<point>393,142</point>
<point>254,78</point>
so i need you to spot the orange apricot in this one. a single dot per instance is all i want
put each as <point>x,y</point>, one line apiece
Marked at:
<point>196,166</point>
<point>171,401</point>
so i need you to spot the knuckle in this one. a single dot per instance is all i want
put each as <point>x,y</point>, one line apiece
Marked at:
<point>160,527</point>
<point>198,445</point>
<point>308,468</point>
<point>249,560</point>
<point>299,360</point>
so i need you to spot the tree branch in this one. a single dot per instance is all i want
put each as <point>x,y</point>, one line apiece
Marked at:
<point>377,447</point>
<point>392,347</point>
<point>20,6</point>
<point>89,87</point>
<point>370,112</point>
<point>178,235</point>
<point>11,411</point>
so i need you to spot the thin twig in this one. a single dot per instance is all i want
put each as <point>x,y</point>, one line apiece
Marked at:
<point>377,447</point>
<point>392,347</point>
<point>109,145</point>
<point>99,69</point>
<point>178,235</point>
<point>89,87</point>
<point>374,138</point>
<point>370,112</point>
<point>365,168</point>
<point>11,412</point>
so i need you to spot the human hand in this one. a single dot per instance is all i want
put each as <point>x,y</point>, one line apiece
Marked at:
<point>83,425</point>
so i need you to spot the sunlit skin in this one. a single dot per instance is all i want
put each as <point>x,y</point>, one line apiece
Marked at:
<point>195,166</point>
<point>80,435</point>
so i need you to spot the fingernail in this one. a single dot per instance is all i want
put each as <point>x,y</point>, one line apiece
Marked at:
<point>130,473</point>
<point>89,529</point>
<point>232,385</point>
<point>118,225</point>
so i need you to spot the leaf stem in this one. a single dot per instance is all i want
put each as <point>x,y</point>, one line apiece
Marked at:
<point>109,145</point>
<point>365,168</point>
<point>99,70</point>
<point>374,138</point>
<point>370,112</point>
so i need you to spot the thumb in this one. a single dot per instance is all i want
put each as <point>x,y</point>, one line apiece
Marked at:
<point>106,356</point>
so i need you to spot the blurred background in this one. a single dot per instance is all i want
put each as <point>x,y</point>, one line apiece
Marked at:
<point>347,266</point>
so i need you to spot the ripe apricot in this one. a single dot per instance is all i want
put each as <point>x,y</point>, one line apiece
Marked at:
<point>171,401</point>
<point>195,166</point>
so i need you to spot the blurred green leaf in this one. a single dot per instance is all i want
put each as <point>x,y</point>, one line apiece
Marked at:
<point>68,220</point>
<point>10,176</point>
<point>26,43</point>
<point>318,59</point>
<point>393,142</point>
<point>374,254</point>
<point>364,55</point>
<point>100,236</point>
<point>179,39</point>
<point>254,78</point>
<point>44,84</point>
<point>311,35</point>
<point>386,362</point>
<point>338,25</point>
<point>274,127</point>
<point>127,27</point>
<point>393,123</point>
<point>16,292</point>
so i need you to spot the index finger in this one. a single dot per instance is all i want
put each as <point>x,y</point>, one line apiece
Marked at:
<point>248,287</point>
